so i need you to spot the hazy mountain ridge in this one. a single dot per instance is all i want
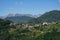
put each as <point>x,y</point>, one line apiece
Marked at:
<point>17,14</point>
<point>51,16</point>
<point>19,18</point>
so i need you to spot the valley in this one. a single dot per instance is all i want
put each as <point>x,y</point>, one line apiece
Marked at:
<point>41,28</point>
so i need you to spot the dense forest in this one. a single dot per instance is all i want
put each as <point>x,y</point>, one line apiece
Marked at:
<point>19,32</point>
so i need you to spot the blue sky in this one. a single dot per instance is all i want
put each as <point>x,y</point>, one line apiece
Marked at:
<point>28,6</point>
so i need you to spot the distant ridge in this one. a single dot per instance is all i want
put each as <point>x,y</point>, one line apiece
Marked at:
<point>19,19</point>
<point>51,16</point>
<point>18,14</point>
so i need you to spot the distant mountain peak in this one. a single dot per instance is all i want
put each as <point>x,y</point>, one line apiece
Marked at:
<point>10,15</point>
<point>18,14</point>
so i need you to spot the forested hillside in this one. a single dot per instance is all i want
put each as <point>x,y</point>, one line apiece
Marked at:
<point>19,19</point>
<point>51,16</point>
<point>17,32</point>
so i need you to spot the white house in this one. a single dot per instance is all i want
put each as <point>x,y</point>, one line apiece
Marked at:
<point>45,23</point>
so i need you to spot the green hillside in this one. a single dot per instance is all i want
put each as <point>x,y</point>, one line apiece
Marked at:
<point>51,16</point>
<point>19,19</point>
<point>34,20</point>
<point>49,32</point>
<point>5,24</point>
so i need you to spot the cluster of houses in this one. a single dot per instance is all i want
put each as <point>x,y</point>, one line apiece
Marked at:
<point>33,25</point>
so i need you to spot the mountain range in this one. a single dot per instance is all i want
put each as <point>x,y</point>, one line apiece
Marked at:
<point>17,14</point>
<point>19,18</point>
<point>51,16</point>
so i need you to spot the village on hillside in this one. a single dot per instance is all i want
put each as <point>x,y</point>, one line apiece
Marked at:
<point>31,25</point>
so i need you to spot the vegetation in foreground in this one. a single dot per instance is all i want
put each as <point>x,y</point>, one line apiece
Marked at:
<point>18,32</point>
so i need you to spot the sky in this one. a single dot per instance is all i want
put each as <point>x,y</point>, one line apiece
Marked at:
<point>33,7</point>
